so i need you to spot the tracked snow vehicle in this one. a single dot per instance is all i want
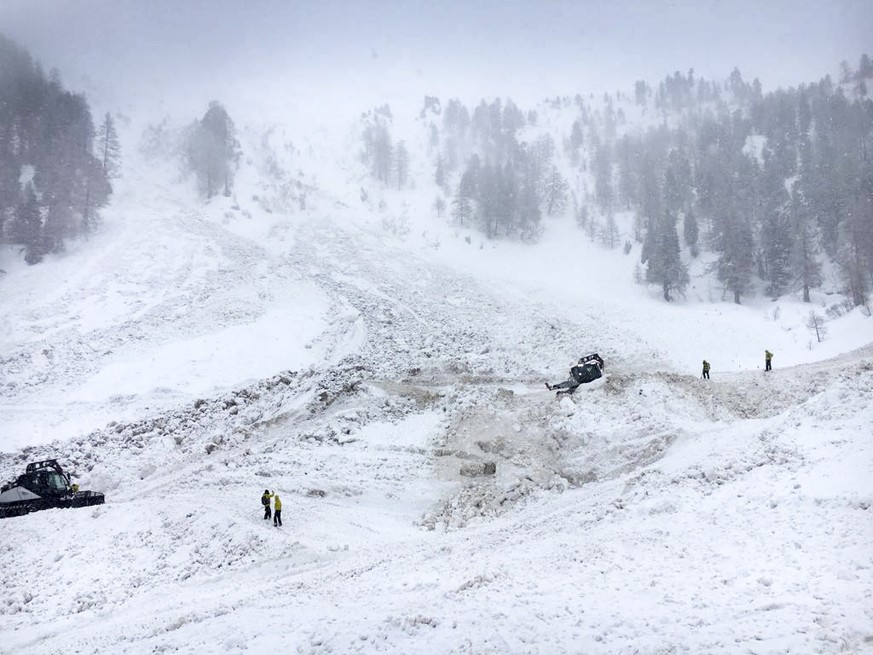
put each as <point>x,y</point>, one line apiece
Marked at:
<point>588,369</point>
<point>42,486</point>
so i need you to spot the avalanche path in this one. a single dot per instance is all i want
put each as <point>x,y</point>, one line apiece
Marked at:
<point>650,512</point>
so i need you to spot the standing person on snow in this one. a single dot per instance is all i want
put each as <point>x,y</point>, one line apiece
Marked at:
<point>705,370</point>
<point>265,501</point>
<point>768,356</point>
<point>277,510</point>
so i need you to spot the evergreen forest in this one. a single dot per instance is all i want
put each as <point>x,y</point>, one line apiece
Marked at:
<point>766,187</point>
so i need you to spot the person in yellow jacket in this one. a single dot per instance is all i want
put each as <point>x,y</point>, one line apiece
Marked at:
<point>277,510</point>
<point>265,501</point>
<point>768,358</point>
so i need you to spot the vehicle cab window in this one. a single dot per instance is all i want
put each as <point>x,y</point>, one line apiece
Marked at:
<point>56,482</point>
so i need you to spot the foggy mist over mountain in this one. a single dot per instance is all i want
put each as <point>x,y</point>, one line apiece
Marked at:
<point>358,54</point>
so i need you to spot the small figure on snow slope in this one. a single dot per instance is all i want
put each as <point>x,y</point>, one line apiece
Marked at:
<point>277,510</point>
<point>768,357</point>
<point>265,501</point>
<point>705,370</point>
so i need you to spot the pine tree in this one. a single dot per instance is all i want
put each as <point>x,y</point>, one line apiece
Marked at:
<point>507,216</point>
<point>805,248</point>
<point>463,205</point>
<point>641,92</point>
<point>665,265</point>
<point>59,224</point>
<point>108,147</point>
<point>805,233</point>
<point>383,152</point>
<point>678,192</point>
<point>213,151</point>
<point>691,233</point>
<point>487,197</point>
<point>462,210</point>
<point>92,194</point>
<point>776,245</point>
<point>610,232</point>
<point>816,323</point>
<point>440,206</point>
<point>851,262</point>
<point>433,142</point>
<point>603,175</point>
<point>627,173</point>
<point>651,211</point>
<point>865,68</point>
<point>855,244</point>
<point>576,141</point>
<point>736,243</point>
<point>27,226</point>
<point>672,193</point>
<point>806,267</point>
<point>401,164</point>
<point>10,185</point>
<point>440,173</point>
<point>530,217</point>
<point>555,193</point>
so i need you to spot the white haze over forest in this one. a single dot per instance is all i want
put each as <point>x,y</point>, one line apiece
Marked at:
<point>364,359</point>
<point>343,57</point>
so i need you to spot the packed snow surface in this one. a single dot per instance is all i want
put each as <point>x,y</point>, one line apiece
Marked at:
<point>192,355</point>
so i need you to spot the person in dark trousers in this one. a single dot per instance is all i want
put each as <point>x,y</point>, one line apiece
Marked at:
<point>768,358</point>
<point>277,510</point>
<point>265,501</point>
<point>705,370</point>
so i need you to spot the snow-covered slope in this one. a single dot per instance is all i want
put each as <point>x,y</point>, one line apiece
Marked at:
<point>192,355</point>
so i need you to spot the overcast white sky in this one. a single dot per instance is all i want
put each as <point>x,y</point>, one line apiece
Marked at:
<point>367,49</point>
